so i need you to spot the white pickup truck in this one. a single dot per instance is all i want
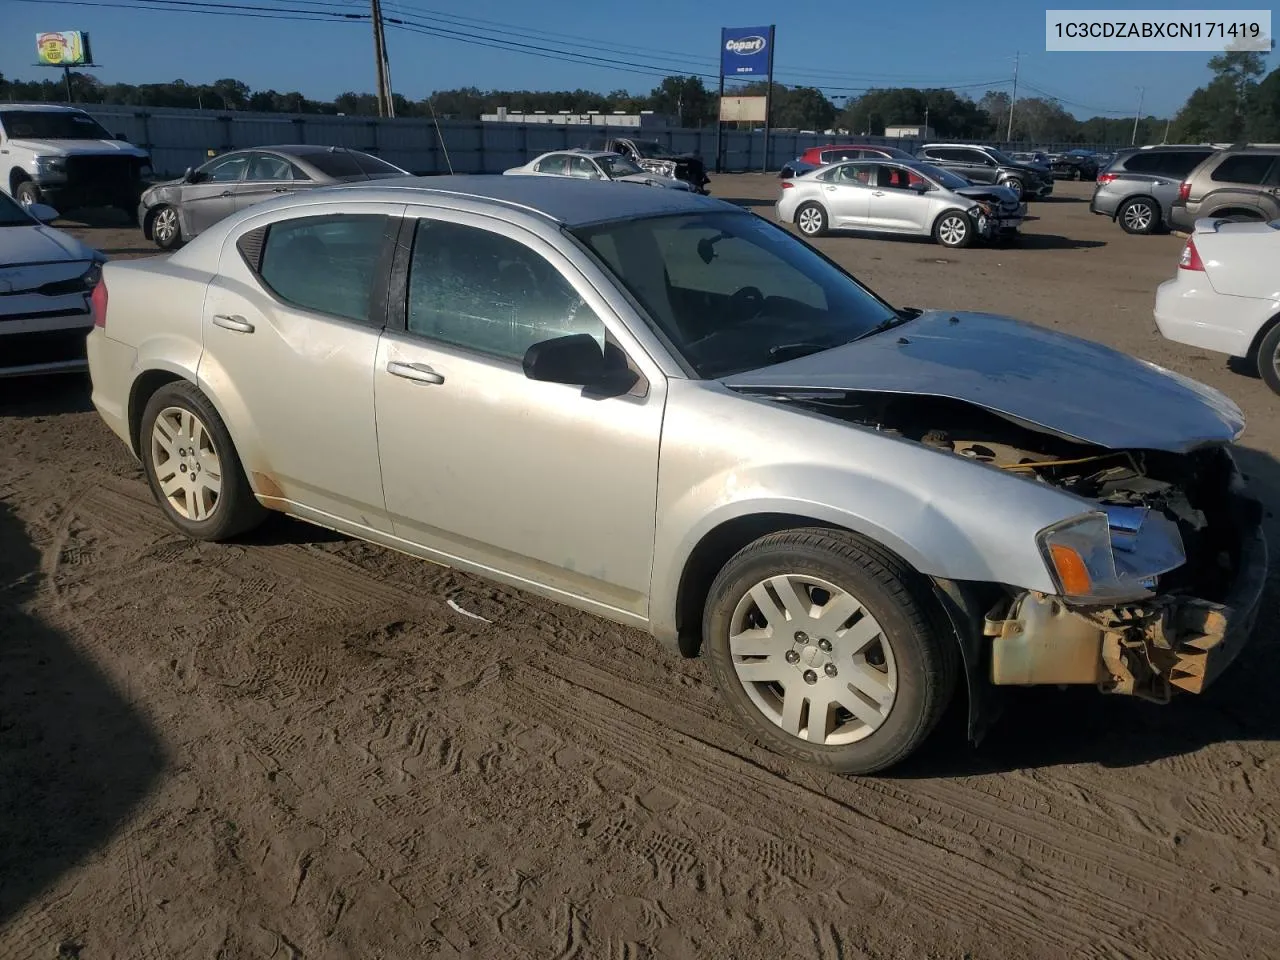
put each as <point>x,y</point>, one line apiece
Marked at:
<point>61,156</point>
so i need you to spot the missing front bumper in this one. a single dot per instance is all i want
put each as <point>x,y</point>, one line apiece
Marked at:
<point>1146,650</point>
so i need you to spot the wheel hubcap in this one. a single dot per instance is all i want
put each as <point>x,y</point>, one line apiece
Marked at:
<point>1138,216</point>
<point>952,231</point>
<point>813,660</point>
<point>186,464</point>
<point>166,223</point>
<point>810,221</point>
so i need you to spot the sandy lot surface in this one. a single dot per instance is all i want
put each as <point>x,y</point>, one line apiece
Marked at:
<point>296,747</point>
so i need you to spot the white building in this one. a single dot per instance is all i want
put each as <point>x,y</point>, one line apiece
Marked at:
<point>917,131</point>
<point>644,120</point>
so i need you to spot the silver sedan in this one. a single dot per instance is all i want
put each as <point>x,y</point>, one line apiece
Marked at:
<point>665,410</point>
<point>899,196</point>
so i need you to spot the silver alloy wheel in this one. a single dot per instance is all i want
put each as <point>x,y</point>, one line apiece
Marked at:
<point>952,230</point>
<point>186,463</point>
<point>1014,184</point>
<point>810,220</point>
<point>165,226</point>
<point>813,659</point>
<point>1137,216</point>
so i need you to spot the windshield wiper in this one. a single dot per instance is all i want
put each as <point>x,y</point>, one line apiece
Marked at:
<point>888,323</point>
<point>793,351</point>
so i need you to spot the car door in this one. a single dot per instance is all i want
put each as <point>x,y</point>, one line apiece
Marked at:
<point>269,175</point>
<point>1241,182</point>
<point>975,165</point>
<point>846,194</point>
<point>540,481</point>
<point>291,326</point>
<point>892,204</point>
<point>213,197</point>
<point>582,168</point>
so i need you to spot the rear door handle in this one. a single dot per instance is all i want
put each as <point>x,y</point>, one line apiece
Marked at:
<point>225,193</point>
<point>418,372</point>
<point>878,193</point>
<point>228,322</point>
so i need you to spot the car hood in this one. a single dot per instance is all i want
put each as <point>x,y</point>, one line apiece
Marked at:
<point>982,191</point>
<point>653,181</point>
<point>1075,388</point>
<point>76,148</point>
<point>23,245</point>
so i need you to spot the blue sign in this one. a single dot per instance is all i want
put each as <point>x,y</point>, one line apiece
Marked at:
<point>745,51</point>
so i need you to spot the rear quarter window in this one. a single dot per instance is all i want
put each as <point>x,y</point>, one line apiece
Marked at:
<point>1247,168</point>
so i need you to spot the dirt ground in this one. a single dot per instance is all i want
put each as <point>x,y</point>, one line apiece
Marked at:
<point>307,747</point>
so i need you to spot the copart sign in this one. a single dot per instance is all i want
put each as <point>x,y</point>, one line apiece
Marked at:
<point>746,51</point>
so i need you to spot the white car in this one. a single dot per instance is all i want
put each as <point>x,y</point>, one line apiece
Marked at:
<point>46,281</point>
<point>1225,296</point>
<point>594,165</point>
<point>899,196</point>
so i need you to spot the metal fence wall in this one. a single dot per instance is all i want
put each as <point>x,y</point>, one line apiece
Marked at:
<point>179,138</point>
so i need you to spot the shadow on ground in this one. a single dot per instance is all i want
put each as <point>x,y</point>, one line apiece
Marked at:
<point>75,758</point>
<point>45,396</point>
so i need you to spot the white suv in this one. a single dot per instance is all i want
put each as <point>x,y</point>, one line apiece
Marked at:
<point>62,157</point>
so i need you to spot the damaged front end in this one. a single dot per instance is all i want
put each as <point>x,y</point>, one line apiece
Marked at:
<point>1195,618</point>
<point>1159,578</point>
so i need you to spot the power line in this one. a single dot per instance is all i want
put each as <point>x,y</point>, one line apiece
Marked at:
<point>226,10</point>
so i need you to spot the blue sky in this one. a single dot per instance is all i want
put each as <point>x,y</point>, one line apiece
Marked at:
<point>915,43</point>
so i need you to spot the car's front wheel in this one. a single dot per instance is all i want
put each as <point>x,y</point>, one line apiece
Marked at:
<point>1016,185</point>
<point>192,465</point>
<point>953,229</point>
<point>166,232</point>
<point>27,193</point>
<point>825,646</point>
<point>811,220</point>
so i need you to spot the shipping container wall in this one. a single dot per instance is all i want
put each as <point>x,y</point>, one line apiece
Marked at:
<point>180,138</point>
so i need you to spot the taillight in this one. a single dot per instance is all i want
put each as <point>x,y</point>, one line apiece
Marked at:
<point>1184,191</point>
<point>1190,259</point>
<point>1107,177</point>
<point>787,184</point>
<point>98,304</point>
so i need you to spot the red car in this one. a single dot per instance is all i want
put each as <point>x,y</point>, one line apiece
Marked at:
<point>816,157</point>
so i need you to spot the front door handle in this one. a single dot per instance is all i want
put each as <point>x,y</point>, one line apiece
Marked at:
<point>878,193</point>
<point>280,190</point>
<point>225,193</point>
<point>419,372</point>
<point>228,322</point>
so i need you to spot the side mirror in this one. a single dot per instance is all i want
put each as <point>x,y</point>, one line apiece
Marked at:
<point>43,212</point>
<point>188,175</point>
<point>576,360</point>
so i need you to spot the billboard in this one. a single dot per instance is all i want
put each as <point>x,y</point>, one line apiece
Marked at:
<point>744,109</point>
<point>67,48</point>
<point>745,51</point>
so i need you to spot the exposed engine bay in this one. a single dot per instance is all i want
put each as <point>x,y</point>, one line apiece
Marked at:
<point>1145,647</point>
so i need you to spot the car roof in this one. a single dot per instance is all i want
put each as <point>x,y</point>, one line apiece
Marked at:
<point>42,107</point>
<point>581,152</point>
<point>564,200</point>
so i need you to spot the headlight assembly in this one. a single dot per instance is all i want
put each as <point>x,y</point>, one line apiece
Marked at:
<point>1082,562</point>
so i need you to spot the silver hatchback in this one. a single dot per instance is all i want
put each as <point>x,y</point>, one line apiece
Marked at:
<point>665,410</point>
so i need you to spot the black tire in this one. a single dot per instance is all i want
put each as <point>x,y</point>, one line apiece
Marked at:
<point>1139,215</point>
<point>925,656</point>
<point>1016,185</point>
<point>27,193</point>
<point>954,229</point>
<point>811,220</point>
<point>235,509</point>
<point>169,237</point>
<point>1269,357</point>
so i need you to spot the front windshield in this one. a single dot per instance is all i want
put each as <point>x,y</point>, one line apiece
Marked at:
<point>944,178</point>
<point>652,149</point>
<point>51,125</point>
<point>12,215</point>
<point>734,292</point>
<point>616,166</point>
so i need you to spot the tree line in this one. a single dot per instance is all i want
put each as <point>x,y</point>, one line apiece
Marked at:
<point>1238,103</point>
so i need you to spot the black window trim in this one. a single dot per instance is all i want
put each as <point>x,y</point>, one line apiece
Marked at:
<point>397,307</point>
<point>252,244</point>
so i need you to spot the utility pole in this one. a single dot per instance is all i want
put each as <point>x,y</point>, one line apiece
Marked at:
<point>1013,99</point>
<point>386,106</point>
<point>1136,114</point>
<point>1166,131</point>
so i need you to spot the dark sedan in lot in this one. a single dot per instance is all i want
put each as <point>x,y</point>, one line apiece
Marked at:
<point>173,212</point>
<point>1074,165</point>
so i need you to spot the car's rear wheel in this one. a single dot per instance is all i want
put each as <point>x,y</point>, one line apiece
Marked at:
<point>953,229</point>
<point>1138,215</point>
<point>811,220</point>
<point>192,465</point>
<point>1269,359</point>
<point>825,646</point>
<point>166,232</point>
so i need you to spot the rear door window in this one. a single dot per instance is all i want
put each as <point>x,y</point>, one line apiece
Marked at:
<point>1179,163</point>
<point>327,264</point>
<point>1246,168</point>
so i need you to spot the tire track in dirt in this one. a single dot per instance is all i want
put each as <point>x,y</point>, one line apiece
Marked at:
<point>1098,884</point>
